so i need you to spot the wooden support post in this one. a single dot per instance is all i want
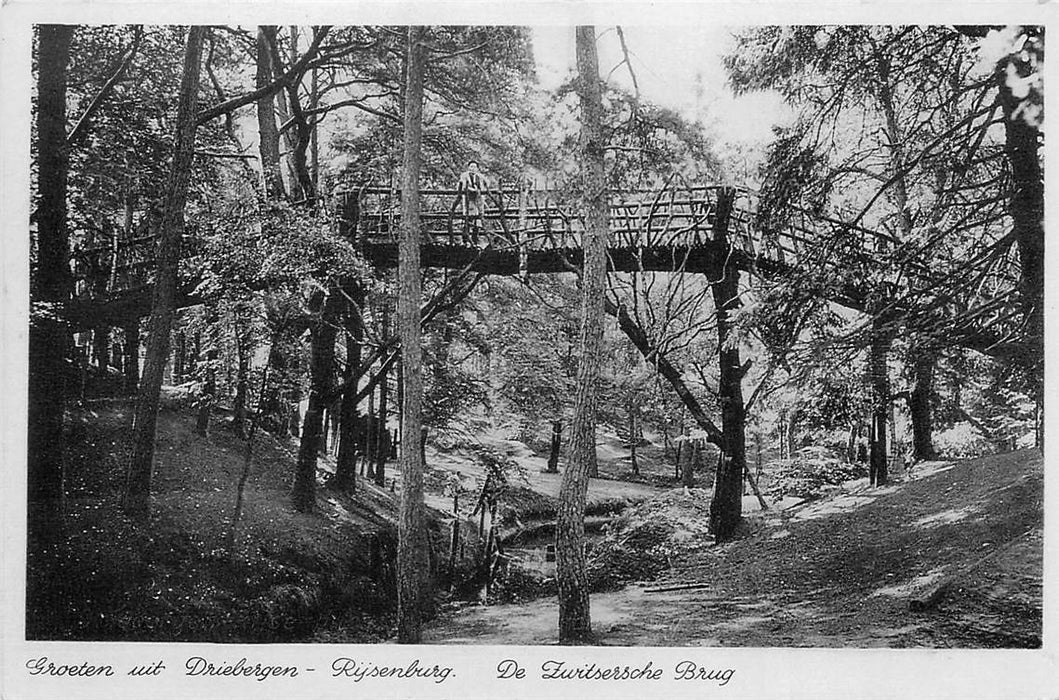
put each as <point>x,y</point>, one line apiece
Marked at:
<point>523,254</point>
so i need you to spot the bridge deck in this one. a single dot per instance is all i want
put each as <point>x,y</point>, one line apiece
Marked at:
<point>530,231</point>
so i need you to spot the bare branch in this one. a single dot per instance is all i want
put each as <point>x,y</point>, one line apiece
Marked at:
<point>80,129</point>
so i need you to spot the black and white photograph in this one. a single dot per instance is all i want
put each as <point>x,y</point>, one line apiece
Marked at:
<point>404,354</point>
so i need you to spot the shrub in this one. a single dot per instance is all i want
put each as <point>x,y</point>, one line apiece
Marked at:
<point>962,441</point>
<point>808,472</point>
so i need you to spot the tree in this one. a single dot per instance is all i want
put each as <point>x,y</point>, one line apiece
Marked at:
<point>575,623</point>
<point>726,508</point>
<point>163,304</point>
<point>324,306</point>
<point>896,129</point>
<point>412,573</point>
<point>268,134</point>
<point>49,339</point>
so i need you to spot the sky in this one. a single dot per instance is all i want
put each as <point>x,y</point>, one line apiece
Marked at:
<point>675,67</point>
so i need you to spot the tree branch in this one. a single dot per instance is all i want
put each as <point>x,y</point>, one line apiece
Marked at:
<point>291,76</point>
<point>80,129</point>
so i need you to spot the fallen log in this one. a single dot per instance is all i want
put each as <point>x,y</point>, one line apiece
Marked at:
<point>677,587</point>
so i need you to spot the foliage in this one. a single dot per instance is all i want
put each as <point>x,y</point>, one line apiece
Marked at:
<point>533,333</point>
<point>645,541</point>
<point>476,105</point>
<point>962,441</point>
<point>809,472</point>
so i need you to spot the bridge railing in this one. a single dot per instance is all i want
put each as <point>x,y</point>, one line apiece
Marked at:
<point>543,218</point>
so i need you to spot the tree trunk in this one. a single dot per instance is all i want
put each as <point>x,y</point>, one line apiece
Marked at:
<point>163,302</point>
<point>382,433</point>
<point>672,374</point>
<point>413,585</point>
<point>101,347</point>
<point>130,362</point>
<point>272,178</point>
<point>288,137</point>
<point>1021,144</point>
<point>179,357</point>
<point>790,442</point>
<point>349,423</point>
<point>880,402</point>
<point>575,623</point>
<point>321,364</point>
<point>633,441</point>
<point>369,438</point>
<point>726,508</point>
<point>209,388</point>
<point>242,373</point>
<point>49,338</point>
<point>557,442</point>
<point>454,540</point>
<point>919,404</point>
<point>299,134</point>
<point>690,457</point>
<point>314,138</point>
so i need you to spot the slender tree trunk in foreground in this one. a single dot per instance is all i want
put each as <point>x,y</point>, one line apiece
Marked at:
<point>412,565</point>
<point>321,363</point>
<point>575,622</point>
<point>726,508</point>
<point>163,303</point>
<point>49,338</point>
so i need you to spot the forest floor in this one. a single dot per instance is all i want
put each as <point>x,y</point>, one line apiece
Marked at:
<point>838,571</point>
<point>844,571</point>
<point>177,577</point>
<point>327,575</point>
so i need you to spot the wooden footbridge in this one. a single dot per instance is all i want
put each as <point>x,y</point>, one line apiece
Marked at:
<point>687,228</point>
<point>651,230</point>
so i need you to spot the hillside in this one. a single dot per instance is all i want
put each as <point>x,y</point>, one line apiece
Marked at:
<point>289,575</point>
<point>326,576</point>
<point>960,542</point>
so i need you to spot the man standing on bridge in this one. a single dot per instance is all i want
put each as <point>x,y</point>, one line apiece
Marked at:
<point>470,189</point>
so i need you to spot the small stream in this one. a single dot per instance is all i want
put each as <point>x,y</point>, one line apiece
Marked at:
<point>532,546</point>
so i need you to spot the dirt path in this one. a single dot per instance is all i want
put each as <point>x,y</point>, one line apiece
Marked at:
<point>837,573</point>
